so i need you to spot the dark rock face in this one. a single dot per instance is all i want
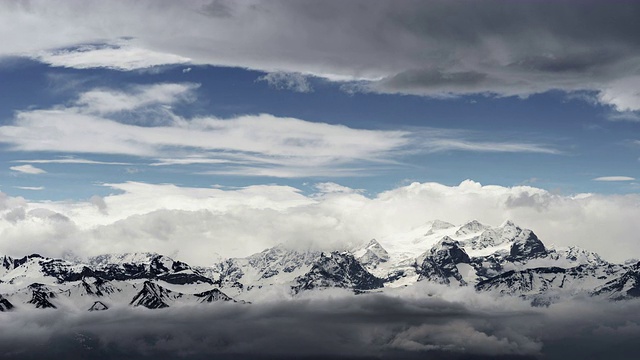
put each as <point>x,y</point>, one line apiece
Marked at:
<point>530,280</point>
<point>439,265</point>
<point>340,270</point>
<point>65,271</point>
<point>97,287</point>
<point>527,246</point>
<point>159,267</point>
<point>98,306</point>
<point>40,295</point>
<point>5,305</point>
<point>152,296</point>
<point>122,271</point>
<point>184,278</point>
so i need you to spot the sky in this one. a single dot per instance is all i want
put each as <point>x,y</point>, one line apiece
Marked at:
<point>123,114</point>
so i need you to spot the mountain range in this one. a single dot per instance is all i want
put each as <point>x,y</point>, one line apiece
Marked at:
<point>506,260</point>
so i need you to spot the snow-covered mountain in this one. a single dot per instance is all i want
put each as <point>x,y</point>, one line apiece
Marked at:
<point>506,260</point>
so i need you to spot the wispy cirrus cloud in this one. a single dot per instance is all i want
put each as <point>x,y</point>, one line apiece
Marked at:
<point>34,188</point>
<point>624,116</point>
<point>70,160</point>
<point>453,144</point>
<point>249,145</point>
<point>614,178</point>
<point>27,169</point>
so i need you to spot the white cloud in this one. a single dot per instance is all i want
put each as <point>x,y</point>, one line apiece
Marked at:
<point>105,101</point>
<point>70,160</point>
<point>614,178</point>
<point>261,139</point>
<point>482,146</point>
<point>517,48</point>
<point>198,223</point>
<point>118,57</point>
<point>623,95</point>
<point>189,160</point>
<point>330,188</point>
<point>624,116</point>
<point>288,81</point>
<point>34,188</point>
<point>293,171</point>
<point>28,169</point>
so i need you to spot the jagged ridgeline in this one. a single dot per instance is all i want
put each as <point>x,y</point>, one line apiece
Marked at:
<point>506,260</point>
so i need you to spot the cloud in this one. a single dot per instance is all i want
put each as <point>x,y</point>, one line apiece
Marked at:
<point>70,160</point>
<point>481,146</point>
<point>99,203</point>
<point>197,223</point>
<point>330,187</point>
<point>624,116</point>
<point>433,48</point>
<point>623,95</point>
<point>614,178</point>
<point>34,188</point>
<point>27,169</point>
<point>422,322</point>
<point>259,139</point>
<point>122,57</point>
<point>106,101</point>
<point>139,121</point>
<point>288,81</point>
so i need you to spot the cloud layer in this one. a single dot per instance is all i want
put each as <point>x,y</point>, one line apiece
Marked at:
<point>197,225</point>
<point>434,48</point>
<point>425,321</point>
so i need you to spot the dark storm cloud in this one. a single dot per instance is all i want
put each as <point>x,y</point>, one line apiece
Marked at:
<point>338,326</point>
<point>432,48</point>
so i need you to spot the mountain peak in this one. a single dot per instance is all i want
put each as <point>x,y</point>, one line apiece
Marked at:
<point>372,255</point>
<point>508,224</point>
<point>98,306</point>
<point>440,263</point>
<point>212,296</point>
<point>473,226</point>
<point>526,246</point>
<point>152,296</point>
<point>448,248</point>
<point>122,258</point>
<point>40,295</point>
<point>437,225</point>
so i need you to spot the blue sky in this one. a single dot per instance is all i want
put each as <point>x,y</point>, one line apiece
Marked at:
<point>561,115</point>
